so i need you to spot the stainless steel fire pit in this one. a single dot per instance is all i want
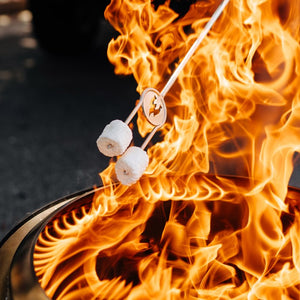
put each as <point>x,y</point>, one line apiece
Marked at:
<point>17,275</point>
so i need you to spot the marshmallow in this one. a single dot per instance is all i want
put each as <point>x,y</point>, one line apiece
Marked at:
<point>115,138</point>
<point>131,165</point>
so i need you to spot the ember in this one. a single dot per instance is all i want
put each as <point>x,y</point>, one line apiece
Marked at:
<point>179,233</point>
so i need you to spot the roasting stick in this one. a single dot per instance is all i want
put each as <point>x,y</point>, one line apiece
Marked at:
<point>116,136</point>
<point>194,47</point>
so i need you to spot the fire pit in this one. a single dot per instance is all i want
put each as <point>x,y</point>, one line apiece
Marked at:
<point>16,250</point>
<point>178,232</point>
<point>65,251</point>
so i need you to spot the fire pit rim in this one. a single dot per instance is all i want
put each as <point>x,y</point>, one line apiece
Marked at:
<point>32,236</point>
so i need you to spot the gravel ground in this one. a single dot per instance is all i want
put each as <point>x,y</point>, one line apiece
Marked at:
<point>52,110</point>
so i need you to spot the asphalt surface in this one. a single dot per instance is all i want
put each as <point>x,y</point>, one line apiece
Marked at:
<point>52,109</point>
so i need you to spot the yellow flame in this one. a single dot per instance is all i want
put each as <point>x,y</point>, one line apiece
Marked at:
<point>179,233</point>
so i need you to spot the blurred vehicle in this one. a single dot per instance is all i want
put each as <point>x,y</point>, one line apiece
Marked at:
<point>71,26</point>
<point>12,6</point>
<point>66,26</point>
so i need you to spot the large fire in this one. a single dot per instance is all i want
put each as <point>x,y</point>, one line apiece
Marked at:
<point>180,233</point>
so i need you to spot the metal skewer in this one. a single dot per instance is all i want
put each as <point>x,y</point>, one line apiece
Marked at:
<point>194,47</point>
<point>152,100</point>
<point>116,136</point>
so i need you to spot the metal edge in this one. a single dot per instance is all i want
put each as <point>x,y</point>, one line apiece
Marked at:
<point>13,239</point>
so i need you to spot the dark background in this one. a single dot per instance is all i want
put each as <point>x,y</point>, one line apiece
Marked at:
<point>52,109</point>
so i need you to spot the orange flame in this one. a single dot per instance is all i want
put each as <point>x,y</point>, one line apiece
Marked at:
<point>235,109</point>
